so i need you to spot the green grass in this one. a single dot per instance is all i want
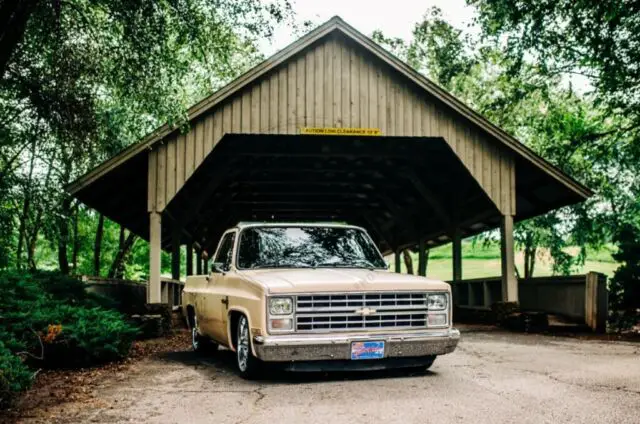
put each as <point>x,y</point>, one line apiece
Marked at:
<point>480,261</point>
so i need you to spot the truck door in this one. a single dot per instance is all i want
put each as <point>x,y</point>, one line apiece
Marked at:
<point>217,293</point>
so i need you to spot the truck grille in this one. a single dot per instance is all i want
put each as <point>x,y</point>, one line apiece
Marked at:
<point>336,312</point>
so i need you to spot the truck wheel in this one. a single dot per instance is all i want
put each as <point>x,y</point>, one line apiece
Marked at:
<point>248,365</point>
<point>200,343</point>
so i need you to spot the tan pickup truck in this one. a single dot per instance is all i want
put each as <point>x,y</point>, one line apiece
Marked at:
<point>313,297</point>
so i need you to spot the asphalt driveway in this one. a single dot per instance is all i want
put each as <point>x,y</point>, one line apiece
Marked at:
<point>493,377</point>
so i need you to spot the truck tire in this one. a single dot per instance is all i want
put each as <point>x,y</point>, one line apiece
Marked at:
<point>200,343</point>
<point>248,365</point>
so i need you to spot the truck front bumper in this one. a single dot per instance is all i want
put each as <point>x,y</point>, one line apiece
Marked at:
<point>336,346</point>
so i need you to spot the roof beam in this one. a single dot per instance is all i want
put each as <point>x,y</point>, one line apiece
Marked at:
<point>184,214</point>
<point>429,197</point>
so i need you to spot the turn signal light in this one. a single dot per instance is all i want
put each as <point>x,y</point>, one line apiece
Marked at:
<point>436,320</point>
<point>281,323</point>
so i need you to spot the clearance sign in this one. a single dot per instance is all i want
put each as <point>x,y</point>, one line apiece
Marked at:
<point>340,131</point>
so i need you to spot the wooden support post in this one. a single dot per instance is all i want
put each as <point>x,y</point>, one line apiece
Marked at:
<point>397,261</point>
<point>456,245</point>
<point>422,263</point>
<point>175,255</point>
<point>164,292</point>
<point>509,281</point>
<point>189,258</point>
<point>154,289</point>
<point>172,294</point>
<point>596,302</point>
<point>198,263</point>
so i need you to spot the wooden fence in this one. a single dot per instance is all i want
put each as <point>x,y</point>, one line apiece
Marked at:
<point>582,298</point>
<point>132,295</point>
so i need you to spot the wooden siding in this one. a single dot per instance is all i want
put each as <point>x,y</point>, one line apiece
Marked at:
<point>332,84</point>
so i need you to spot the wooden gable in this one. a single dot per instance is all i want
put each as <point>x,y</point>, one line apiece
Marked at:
<point>332,83</point>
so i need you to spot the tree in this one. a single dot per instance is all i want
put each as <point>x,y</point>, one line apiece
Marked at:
<point>97,246</point>
<point>81,80</point>
<point>437,49</point>
<point>625,285</point>
<point>408,260</point>
<point>13,22</point>
<point>572,131</point>
<point>597,40</point>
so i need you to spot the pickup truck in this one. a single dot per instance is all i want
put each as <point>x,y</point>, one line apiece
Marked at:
<point>313,297</point>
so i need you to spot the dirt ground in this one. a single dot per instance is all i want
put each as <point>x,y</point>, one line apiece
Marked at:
<point>493,377</point>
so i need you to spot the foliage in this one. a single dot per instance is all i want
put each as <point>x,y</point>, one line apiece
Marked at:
<point>89,78</point>
<point>573,131</point>
<point>596,40</point>
<point>55,329</point>
<point>624,288</point>
<point>14,376</point>
<point>84,336</point>
<point>69,290</point>
<point>49,320</point>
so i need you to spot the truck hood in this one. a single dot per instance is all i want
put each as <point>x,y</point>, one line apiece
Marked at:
<point>309,280</point>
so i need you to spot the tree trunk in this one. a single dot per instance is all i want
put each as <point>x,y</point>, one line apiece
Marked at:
<point>22,229</point>
<point>532,263</point>
<point>97,246</point>
<point>14,16</point>
<point>426,261</point>
<point>76,241</point>
<point>117,267</point>
<point>529,261</point>
<point>121,238</point>
<point>26,207</point>
<point>31,251</point>
<point>408,261</point>
<point>63,236</point>
<point>37,223</point>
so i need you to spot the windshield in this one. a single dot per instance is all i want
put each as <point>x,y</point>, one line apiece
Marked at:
<point>305,247</point>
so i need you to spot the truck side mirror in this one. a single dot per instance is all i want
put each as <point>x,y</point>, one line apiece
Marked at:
<point>218,267</point>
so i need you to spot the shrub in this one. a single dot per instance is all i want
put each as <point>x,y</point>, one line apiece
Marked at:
<point>14,376</point>
<point>624,289</point>
<point>70,290</point>
<point>74,328</point>
<point>85,336</point>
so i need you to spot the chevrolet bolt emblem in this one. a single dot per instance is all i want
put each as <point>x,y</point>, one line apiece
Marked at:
<point>365,311</point>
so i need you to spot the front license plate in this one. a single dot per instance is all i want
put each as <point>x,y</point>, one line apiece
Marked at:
<point>367,350</point>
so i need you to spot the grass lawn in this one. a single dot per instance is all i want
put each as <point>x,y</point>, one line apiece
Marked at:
<point>484,261</point>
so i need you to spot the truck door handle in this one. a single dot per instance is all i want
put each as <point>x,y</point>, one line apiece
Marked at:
<point>225,301</point>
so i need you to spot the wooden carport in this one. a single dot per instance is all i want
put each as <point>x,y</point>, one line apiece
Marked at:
<point>331,128</point>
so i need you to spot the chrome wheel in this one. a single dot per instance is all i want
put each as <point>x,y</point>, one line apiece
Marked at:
<point>201,343</point>
<point>195,338</point>
<point>242,349</point>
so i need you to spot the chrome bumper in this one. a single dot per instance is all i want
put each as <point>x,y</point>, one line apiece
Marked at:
<point>335,346</point>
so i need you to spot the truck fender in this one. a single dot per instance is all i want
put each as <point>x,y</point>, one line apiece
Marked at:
<point>244,312</point>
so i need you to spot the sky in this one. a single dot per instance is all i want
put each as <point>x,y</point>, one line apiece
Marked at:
<point>394,17</point>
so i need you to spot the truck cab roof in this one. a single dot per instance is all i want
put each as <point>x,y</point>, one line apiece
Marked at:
<point>246,224</point>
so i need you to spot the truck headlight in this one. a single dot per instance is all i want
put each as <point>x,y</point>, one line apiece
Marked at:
<point>280,306</point>
<point>437,301</point>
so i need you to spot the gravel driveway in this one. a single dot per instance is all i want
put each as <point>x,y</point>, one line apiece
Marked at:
<point>493,377</point>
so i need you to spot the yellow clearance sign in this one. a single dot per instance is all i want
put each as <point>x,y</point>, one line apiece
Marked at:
<point>341,131</point>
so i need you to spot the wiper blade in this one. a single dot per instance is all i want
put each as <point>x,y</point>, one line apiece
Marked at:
<point>263,266</point>
<point>282,265</point>
<point>363,264</point>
